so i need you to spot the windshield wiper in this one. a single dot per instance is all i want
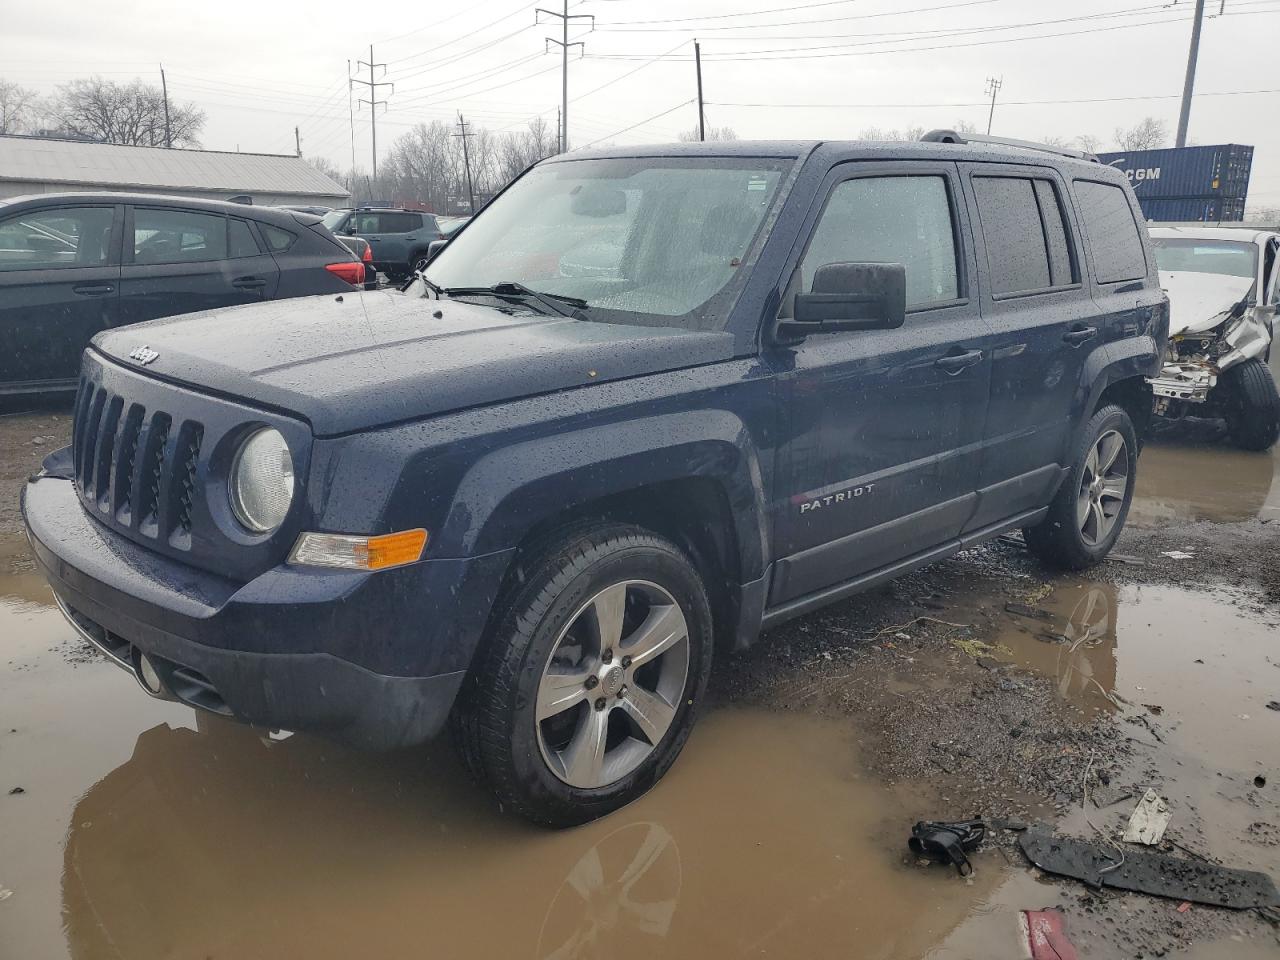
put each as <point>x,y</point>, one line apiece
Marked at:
<point>555,302</point>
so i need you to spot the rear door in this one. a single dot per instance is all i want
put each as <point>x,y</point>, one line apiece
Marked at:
<point>882,452</point>
<point>59,285</point>
<point>1045,325</point>
<point>180,261</point>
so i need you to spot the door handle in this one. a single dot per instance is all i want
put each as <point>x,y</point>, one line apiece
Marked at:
<point>955,362</point>
<point>93,289</point>
<point>249,283</point>
<point>1080,335</point>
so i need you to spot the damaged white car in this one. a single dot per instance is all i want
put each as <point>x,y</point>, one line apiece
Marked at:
<point>1222,298</point>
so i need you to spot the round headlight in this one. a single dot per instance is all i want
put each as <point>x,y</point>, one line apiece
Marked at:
<point>262,481</point>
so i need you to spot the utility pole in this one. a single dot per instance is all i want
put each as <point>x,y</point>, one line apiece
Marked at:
<point>702,120</point>
<point>373,101</point>
<point>993,87</point>
<point>466,160</point>
<point>558,139</point>
<point>564,45</point>
<point>351,120</point>
<point>1184,115</point>
<point>164,86</point>
<point>297,141</point>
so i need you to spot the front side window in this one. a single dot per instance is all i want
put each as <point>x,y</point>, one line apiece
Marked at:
<point>61,237</point>
<point>1228,258</point>
<point>178,236</point>
<point>903,220</point>
<point>1112,231</point>
<point>639,240</point>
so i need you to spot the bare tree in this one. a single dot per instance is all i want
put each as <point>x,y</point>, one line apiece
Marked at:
<point>1089,142</point>
<point>876,133</point>
<point>327,167</point>
<point>713,133</point>
<point>18,107</point>
<point>1147,134</point>
<point>130,113</point>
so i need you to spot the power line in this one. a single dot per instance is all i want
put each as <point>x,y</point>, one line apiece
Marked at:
<point>656,116</point>
<point>804,6</point>
<point>798,53</point>
<point>983,103</point>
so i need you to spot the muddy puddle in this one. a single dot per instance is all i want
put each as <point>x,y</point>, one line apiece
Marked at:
<point>1180,480</point>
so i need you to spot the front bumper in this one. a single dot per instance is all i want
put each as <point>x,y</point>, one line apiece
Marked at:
<point>372,659</point>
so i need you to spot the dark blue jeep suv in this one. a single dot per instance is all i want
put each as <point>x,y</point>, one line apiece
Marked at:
<point>529,499</point>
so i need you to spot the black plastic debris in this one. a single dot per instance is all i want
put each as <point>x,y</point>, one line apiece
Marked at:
<point>1100,865</point>
<point>1028,611</point>
<point>948,842</point>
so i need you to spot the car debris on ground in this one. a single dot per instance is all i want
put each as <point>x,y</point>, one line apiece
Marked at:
<point>1148,821</point>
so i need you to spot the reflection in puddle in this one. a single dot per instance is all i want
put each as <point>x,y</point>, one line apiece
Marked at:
<point>216,842</point>
<point>1178,481</point>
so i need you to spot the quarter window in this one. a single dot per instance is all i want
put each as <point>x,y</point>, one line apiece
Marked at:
<point>277,240</point>
<point>61,237</point>
<point>1112,231</point>
<point>1026,238</point>
<point>903,220</point>
<point>178,236</point>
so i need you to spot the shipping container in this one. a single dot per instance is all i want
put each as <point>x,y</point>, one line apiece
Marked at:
<point>1180,172</point>
<point>1210,209</point>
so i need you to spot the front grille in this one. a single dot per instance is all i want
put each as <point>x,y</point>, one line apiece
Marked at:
<point>134,466</point>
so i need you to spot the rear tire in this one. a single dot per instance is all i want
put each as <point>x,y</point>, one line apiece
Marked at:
<point>1089,510</point>
<point>563,717</point>
<point>1252,407</point>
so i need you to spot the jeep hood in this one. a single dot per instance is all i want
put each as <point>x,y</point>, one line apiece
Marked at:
<point>1198,302</point>
<point>364,359</point>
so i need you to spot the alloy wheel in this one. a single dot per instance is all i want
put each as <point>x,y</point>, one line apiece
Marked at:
<point>1104,483</point>
<point>613,683</point>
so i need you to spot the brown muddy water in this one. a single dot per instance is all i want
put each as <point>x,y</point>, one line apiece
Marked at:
<point>143,832</point>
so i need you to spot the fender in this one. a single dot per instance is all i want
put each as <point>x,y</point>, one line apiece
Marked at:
<point>507,492</point>
<point>1116,361</point>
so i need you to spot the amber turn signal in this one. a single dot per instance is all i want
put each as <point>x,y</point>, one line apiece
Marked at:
<point>359,553</point>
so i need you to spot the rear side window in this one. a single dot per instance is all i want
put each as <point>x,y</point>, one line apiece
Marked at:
<point>60,237</point>
<point>1025,236</point>
<point>178,236</point>
<point>1112,231</point>
<point>240,242</point>
<point>278,240</point>
<point>398,222</point>
<point>1017,255</point>
<point>903,220</point>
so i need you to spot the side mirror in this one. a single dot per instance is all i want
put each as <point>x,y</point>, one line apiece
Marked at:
<point>849,296</point>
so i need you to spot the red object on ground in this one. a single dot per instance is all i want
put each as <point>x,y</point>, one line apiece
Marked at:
<point>1045,936</point>
<point>1184,907</point>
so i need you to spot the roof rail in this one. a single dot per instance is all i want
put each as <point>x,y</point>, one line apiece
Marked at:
<point>950,136</point>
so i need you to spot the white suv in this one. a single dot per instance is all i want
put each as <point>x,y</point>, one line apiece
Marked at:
<point>1222,286</point>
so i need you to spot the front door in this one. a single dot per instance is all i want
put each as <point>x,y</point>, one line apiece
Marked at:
<point>881,457</point>
<point>180,261</point>
<point>59,285</point>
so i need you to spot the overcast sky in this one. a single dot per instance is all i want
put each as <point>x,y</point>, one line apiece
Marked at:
<point>259,69</point>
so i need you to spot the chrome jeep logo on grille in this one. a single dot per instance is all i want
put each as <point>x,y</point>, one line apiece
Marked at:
<point>143,355</point>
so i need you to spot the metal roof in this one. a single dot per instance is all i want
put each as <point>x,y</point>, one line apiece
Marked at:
<point>111,165</point>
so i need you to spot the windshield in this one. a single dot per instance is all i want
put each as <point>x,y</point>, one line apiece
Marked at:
<point>1228,258</point>
<point>650,240</point>
<point>333,218</point>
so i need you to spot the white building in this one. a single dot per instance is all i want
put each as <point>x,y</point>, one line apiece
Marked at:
<point>39,165</point>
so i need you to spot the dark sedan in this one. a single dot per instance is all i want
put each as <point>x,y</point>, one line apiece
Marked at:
<point>74,264</point>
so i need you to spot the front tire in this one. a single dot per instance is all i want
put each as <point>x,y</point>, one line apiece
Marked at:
<point>1089,510</point>
<point>1252,408</point>
<point>589,680</point>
